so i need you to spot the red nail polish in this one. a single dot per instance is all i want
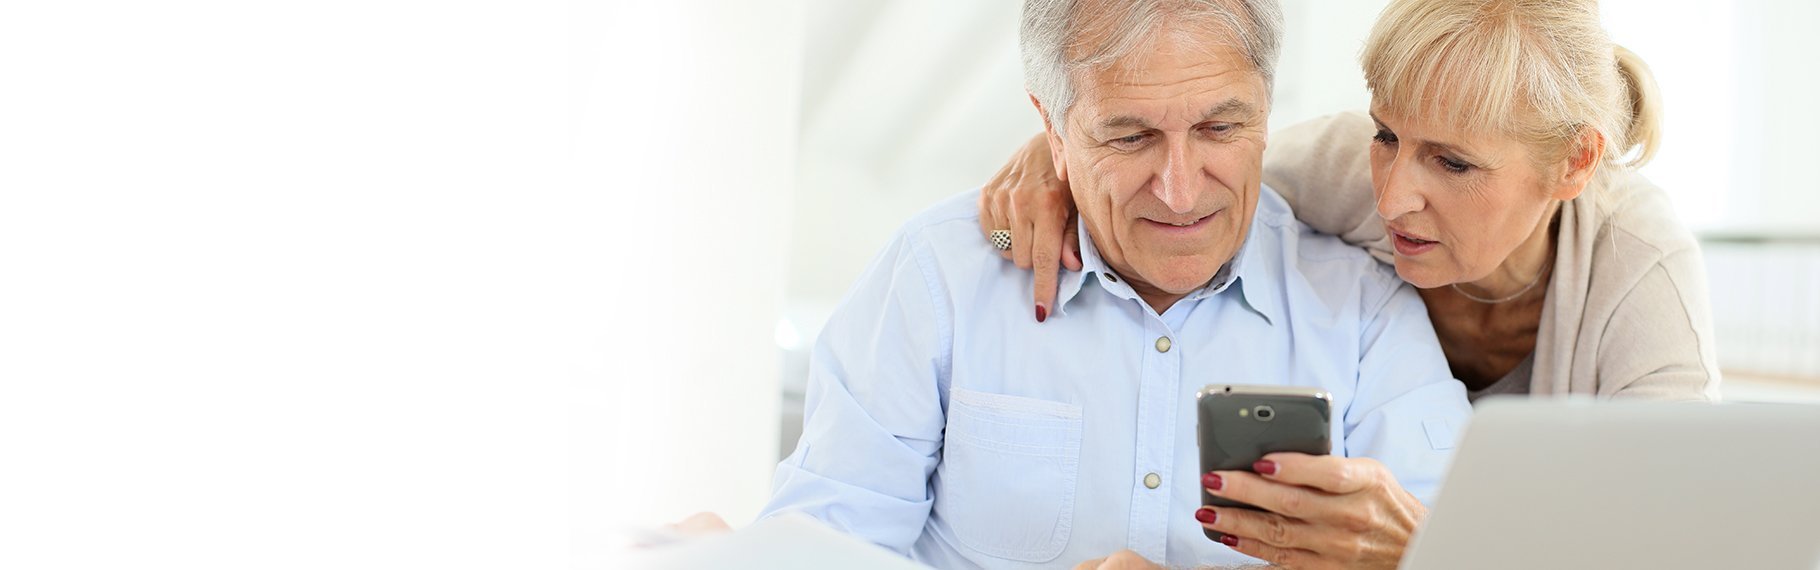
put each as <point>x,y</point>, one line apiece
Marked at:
<point>1211,481</point>
<point>1229,540</point>
<point>1042,313</point>
<point>1206,515</point>
<point>1265,467</point>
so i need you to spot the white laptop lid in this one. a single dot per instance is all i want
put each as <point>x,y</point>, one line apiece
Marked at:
<point>1572,484</point>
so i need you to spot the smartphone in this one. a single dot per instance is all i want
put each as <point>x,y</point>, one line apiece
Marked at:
<point>1237,424</point>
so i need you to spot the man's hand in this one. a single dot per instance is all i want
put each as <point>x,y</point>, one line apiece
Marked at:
<point>1121,560</point>
<point>700,524</point>
<point>1325,512</point>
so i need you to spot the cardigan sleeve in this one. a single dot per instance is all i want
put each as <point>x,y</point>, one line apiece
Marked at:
<point>1658,343</point>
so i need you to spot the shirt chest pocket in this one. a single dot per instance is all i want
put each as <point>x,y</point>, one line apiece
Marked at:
<point>1006,482</point>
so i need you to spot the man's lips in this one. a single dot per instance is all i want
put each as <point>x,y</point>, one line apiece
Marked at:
<point>1179,223</point>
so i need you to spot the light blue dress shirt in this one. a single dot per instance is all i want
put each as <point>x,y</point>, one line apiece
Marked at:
<point>943,422</point>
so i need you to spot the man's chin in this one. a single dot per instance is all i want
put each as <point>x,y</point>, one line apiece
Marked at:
<point>1183,281</point>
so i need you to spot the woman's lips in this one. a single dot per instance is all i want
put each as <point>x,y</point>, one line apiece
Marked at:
<point>1410,245</point>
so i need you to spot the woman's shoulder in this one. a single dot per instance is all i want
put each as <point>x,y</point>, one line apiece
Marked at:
<point>1640,324</point>
<point>1322,168</point>
<point>1326,156</point>
<point>1636,221</point>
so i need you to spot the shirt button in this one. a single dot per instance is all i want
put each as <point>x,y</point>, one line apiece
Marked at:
<point>1112,278</point>
<point>1162,344</point>
<point>1153,481</point>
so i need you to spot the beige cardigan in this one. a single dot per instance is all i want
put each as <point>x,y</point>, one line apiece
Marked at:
<point>1627,311</point>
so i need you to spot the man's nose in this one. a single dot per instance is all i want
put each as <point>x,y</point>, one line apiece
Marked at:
<point>1399,193</point>
<point>1175,184</point>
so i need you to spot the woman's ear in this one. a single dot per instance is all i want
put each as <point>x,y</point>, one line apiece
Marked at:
<point>1586,153</point>
<point>1056,158</point>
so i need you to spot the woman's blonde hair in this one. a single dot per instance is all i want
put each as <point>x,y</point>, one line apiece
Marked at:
<point>1538,70</point>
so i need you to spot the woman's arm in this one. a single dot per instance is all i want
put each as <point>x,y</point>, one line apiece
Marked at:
<point>1026,198</point>
<point>1658,343</point>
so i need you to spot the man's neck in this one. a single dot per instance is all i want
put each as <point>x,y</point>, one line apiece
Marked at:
<point>1159,300</point>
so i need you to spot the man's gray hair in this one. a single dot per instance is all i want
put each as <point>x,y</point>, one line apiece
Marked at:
<point>1052,29</point>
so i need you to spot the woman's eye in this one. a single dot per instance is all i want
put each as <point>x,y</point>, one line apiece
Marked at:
<point>1384,137</point>
<point>1452,165</point>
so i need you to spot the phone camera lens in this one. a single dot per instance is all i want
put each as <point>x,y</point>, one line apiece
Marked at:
<point>1263,413</point>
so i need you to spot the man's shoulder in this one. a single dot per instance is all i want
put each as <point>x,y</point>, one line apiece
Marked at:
<point>956,214</point>
<point>1323,261</point>
<point>943,245</point>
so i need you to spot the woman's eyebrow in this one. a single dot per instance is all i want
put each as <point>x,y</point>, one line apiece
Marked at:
<point>1445,146</point>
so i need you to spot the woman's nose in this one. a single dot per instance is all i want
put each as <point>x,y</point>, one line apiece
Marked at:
<point>1397,190</point>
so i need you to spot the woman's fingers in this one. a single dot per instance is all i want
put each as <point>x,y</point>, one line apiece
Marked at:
<point>1338,475</point>
<point>1286,558</point>
<point>1282,532</point>
<point>1271,528</point>
<point>1293,501</point>
<point>1022,228</point>
<point>1046,256</point>
<point>1366,527</point>
<point>995,200</point>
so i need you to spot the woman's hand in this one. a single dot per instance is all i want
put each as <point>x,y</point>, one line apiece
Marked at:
<point>1026,198</point>
<point>1325,512</point>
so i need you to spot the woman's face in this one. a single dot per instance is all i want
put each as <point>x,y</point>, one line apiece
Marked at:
<point>1455,204</point>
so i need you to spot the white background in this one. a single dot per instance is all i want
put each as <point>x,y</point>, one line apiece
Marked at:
<point>461,284</point>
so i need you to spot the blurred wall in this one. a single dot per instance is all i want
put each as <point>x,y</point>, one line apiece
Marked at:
<point>688,118</point>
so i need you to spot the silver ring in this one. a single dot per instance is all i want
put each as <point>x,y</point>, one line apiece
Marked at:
<point>1001,239</point>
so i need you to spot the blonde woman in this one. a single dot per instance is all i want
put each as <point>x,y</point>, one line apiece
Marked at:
<point>1496,171</point>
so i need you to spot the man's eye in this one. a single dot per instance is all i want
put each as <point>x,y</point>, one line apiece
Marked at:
<point>1132,141</point>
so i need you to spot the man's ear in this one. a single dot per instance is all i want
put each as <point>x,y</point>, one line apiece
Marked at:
<point>1055,140</point>
<point>1586,153</point>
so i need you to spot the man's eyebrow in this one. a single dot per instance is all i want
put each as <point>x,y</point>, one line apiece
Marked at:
<point>1232,106</point>
<point>1122,121</point>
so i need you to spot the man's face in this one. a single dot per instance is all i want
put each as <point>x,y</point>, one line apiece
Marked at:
<point>1164,152</point>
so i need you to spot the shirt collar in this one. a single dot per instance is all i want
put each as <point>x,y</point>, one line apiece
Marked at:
<point>1241,269</point>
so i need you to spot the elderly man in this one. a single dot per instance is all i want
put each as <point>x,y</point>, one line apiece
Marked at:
<point>946,423</point>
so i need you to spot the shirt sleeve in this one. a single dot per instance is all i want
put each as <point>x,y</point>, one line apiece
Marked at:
<point>1663,329</point>
<point>1408,410</point>
<point>873,408</point>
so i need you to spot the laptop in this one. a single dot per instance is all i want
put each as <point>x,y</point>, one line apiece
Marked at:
<point>1575,484</point>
